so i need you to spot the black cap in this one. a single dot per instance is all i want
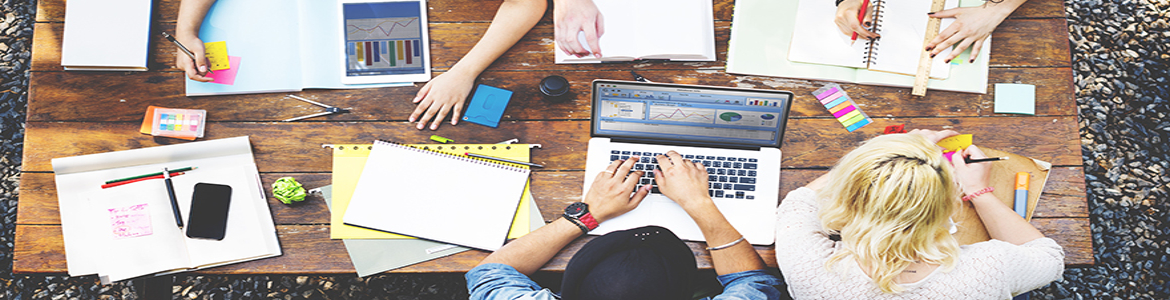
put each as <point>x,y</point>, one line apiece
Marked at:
<point>641,263</point>
<point>554,86</point>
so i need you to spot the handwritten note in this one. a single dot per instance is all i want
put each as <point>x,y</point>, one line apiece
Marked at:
<point>130,221</point>
<point>956,143</point>
<point>217,55</point>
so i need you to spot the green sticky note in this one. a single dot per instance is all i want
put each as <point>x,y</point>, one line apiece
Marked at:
<point>971,3</point>
<point>1013,98</point>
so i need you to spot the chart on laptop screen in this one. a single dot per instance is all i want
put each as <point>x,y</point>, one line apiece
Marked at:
<point>674,112</point>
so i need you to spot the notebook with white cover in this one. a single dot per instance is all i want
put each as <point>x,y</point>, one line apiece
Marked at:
<point>106,35</point>
<point>682,30</point>
<point>437,196</point>
<point>901,24</point>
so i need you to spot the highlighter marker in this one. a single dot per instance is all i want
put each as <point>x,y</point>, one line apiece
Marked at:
<point>1021,205</point>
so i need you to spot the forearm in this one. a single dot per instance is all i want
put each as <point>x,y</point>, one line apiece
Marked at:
<point>737,258</point>
<point>512,21</point>
<point>1003,223</point>
<point>191,13</point>
<point>528,253</point>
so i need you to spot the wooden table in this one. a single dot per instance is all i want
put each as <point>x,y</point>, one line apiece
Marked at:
<point>75,113</point>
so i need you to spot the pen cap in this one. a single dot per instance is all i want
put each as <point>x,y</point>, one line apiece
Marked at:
<point>1022,180</point>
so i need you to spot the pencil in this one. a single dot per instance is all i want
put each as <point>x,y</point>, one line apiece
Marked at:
<point>860,18</point>
<point>159,176</point>
<point>979,160</point>
<point>150,175</point>
<point>503,160</point>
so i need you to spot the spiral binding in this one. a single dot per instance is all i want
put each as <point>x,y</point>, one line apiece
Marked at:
<point>475,160</point>
<point>870,57</point>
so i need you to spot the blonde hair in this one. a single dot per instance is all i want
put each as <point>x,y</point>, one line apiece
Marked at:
<point>890,200</point>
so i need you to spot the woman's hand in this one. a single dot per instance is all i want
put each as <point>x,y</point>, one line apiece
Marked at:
<point>972,177</point>
<point>682,180</point>
<point>609,196</point>
<point>196,70</point>
<point>971,27</point>
<point>846,19</point>
<point>444,94</point>
<point>573,16</point>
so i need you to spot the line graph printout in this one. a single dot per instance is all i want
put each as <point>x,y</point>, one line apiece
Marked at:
<point>383,38</point>
<point>682,114</point>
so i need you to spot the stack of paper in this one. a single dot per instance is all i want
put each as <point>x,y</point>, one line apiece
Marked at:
<point>106,35</point>
<point>129,230</point>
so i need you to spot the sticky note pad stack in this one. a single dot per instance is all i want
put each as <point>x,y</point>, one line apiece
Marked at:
<point>179,123</point>
<point>842,107</point>
<point>216,53</point>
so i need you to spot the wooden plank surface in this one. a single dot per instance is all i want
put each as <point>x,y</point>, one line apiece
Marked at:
<point>75,113</point>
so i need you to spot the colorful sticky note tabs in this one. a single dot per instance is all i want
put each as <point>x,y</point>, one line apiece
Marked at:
<point>956,143</point>
<point>217,55</point>
<point>838,103</point>
<point>228,76</point>
<point>1013,98</point>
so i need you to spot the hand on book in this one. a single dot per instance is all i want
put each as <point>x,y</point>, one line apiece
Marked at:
<point>444,94</point>
<point>573,16</point>
<point>196,70</point>
<point>971,27</point>
<point>682,180</point>
<point>609,196</point>
<point>846,19</point>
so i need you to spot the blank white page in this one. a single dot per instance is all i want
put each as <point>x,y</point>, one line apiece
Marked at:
<point>903,30</point>
<point>816,39</point>
<point>435,196</point>
<point>106,33</point>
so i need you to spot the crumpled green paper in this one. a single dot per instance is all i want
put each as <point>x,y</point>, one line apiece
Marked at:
<point>288,190</point>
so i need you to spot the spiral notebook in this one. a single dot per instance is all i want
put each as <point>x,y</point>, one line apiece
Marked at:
<point>437,196</point>
<point>901,24</point>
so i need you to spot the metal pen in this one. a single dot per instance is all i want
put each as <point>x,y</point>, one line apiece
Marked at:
<point>184,48</point>
<point>174,201</point>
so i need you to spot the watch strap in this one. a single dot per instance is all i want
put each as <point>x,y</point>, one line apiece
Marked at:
<point>579,224</point>
<point>589,221</point>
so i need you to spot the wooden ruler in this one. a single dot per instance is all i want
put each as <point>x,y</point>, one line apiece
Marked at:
<point>925,61</point>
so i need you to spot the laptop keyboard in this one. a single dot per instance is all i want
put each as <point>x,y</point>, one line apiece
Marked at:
<point>727,177</point>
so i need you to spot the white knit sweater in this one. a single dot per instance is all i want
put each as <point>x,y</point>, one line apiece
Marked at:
<point>987,270</point>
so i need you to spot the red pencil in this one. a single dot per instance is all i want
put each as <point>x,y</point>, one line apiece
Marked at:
<point>159,176</point>
<point>860,18</point>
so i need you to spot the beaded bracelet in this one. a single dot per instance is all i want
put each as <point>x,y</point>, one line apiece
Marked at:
<point>979,192</point>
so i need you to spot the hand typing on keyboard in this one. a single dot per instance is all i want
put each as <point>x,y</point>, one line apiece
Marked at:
<point>682,180</point>
<point>609,196</point>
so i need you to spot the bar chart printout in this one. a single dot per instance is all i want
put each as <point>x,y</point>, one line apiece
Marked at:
<point>383,38</point>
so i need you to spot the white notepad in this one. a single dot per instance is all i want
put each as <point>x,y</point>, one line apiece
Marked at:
<point>436,196</point>
<point>679,30</point>
<point>106,35</point>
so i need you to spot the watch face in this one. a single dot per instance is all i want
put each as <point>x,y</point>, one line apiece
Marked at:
<point>577,210</point>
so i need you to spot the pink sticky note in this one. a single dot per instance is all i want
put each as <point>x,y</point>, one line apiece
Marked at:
<point>949,155</point>
<point>130,221</point>
<point>228,76</point>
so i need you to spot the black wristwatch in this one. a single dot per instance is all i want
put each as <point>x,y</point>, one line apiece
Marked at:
<point>579,214</point>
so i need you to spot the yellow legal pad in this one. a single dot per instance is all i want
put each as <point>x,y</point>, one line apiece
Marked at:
<point>350,159</point>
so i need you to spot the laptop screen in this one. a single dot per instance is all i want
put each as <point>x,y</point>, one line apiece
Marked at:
<point>695,114</point>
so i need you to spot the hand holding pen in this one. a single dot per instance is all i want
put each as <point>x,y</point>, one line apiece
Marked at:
<point>190,57</point>
<point>854,18</point>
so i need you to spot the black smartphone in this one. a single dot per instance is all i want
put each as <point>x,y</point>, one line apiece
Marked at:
<point>209,211</point>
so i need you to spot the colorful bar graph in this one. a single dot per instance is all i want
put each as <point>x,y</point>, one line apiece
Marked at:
<point>409,57</point>
<point>838,103</point>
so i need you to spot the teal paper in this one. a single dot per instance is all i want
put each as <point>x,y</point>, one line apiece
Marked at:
<point>1013,98</point>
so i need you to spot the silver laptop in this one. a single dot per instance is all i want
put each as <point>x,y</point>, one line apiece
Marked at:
<point>736,133</point>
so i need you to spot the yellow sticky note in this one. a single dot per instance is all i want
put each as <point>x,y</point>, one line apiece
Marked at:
<point>955,143</point>
<point>217,55</point>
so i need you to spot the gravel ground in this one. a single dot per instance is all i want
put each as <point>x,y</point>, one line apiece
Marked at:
<point>1121,49</point>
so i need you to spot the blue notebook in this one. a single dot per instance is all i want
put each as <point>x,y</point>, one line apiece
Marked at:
<point>487,105</point>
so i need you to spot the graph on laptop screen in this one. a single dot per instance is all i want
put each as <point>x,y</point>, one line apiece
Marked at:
<point>687,113</point>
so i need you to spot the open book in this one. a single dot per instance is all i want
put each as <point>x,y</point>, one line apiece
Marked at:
<point>129,230</point>
<point>901,24</point>
<point>652,29</point>
<point>764,32</point>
